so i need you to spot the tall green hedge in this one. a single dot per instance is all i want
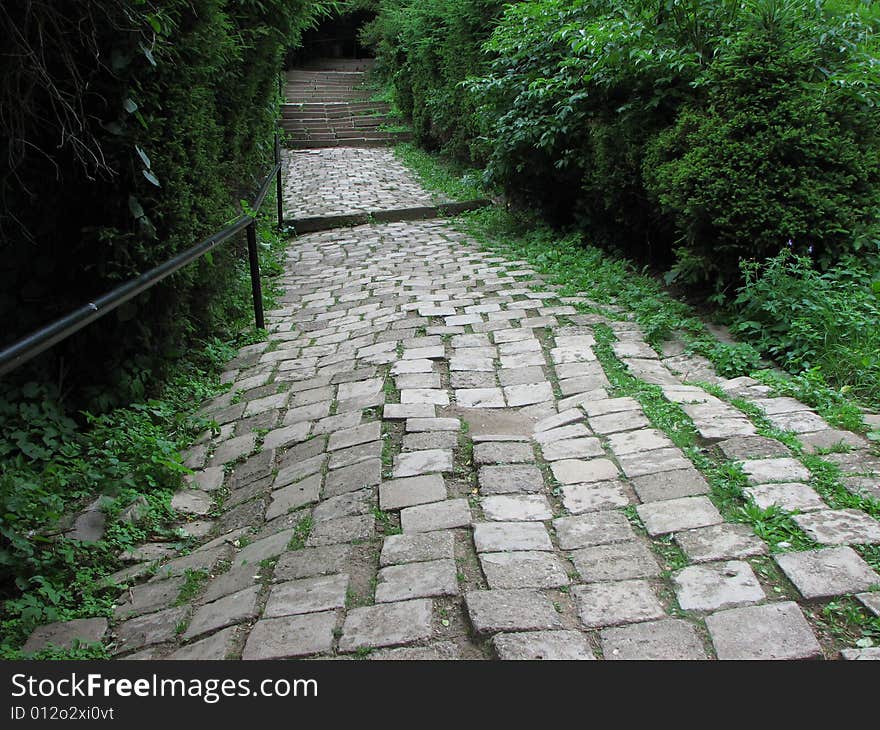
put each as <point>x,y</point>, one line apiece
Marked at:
<point>131,129</point>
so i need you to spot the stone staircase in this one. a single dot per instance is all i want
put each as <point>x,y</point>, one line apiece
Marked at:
<point>327,106</point>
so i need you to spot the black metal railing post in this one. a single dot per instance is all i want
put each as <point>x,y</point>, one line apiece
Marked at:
<point>278,185</point>
<point>256,286</point>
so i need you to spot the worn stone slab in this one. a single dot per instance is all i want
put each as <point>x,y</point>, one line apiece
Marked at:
<point>414,463</point>
<point>670,485</point>
<point>341,530</point>
<point>480,398</point>
<point>742,448</point>
<point>148,597</point>
<point>354,454</point>
<point>831,438</point>
<point>232,609</point>
<point>571,431</point>
<point>664,640</point>
<point>208,480</point>
<point>232,581</point>
<point>233,449</point>
<point>417,580</point>
<point>430,440</point>
<point>623,602</point>
<point>192,502</point>
<point>436,516</point>
<point>686,513</point>
<point>387,624</point>
<point>215,647</point>
<point>789,496</point>
<point>523,569</point>
<point>307,595</point>
<point>828,572</point>
<point>510,610</point>
<point>762,471</point>
<point>579,498</point>
<point>205,558</point>
<point>499,452</point>
<point>491,537</point>
<point>287,435</point>
<point>152,628</point>
<point>268,547</point>
<point>352,478</point>
<point>712,586</point>
<point>66,634</point>
<point>528,393</point>
<point>576,448</point>
<point>579,471</point>
<point>510,479</point>
<point>614,423</point>
<point>434,396</point>
<point>516,507</point>
<point>419,547</point>
<point>402,411</point>
<point>871,601</point>
<point>719,542</point>
<point>617,561</point>
<point>308,562</point>
<point>291,636</point>
<point>545,645</point>
<point>771,631</point>
<point>298,470</point>
<point>840,527</point>
<point>610,405</point>
<point>416,425</point>
<point>408,491</point>
<point>593,528</point>
<point>294,496</point>
<point>653,462</point>
<point>869,654</point>
<point>437,651</point>
<point>348,437</point>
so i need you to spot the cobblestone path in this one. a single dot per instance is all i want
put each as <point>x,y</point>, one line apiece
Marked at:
<point>426,459</point>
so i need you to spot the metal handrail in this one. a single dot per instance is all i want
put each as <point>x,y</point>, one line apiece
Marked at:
<point>29,346</point>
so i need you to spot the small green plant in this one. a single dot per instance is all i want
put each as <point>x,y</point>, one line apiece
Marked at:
<point>301,532</point>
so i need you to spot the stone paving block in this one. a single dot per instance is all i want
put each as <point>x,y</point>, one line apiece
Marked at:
<point>510,479</point>
<point>670,485</point>
<point>799,422</point>
<point>712,586</point>
<point>546,645</point>
<point>409,491</point>
<point>232,581</point>
<point>148,597</point>
<point>521,376</point>
<point>579,471</point>
<point>294,496</point>
<point>352,478</point>
<point>611,405</point>
<point>307,595</point>
<point>66,634</point>
<point>623,602</point>
<point>653,462</point>
<point>828,572</point>
<point>437,651</point>
<point>771,631</point>
<point>232,609</point>
<point>762,471</point>
<point>664,640</point>
<point>752,447</point>
<point>417,580</point>
<point>831,438</point>
<point>789,496</point>
<point>291,636</point>
<point>618,561</point>
<point>562,418</point>
<point>233,449</point>
<point>310,412</point>
<point>401,411</point>
<point>208,480</point>
<point>430,440</point>
<point>523,569</point>
<point>527,394</point>
<point>616,422</point>
<point>577,448</point>
<point>436,516</point>
<point>516,507</point>
<point>153,628</point>
<point>416,425</point>
<point>339,422</point>
<point>415,463</point>
<point>839,527</point>
<point>579,498</point>
<point>593,528</point>
<point>571,431</point>
<point>215,647</point>
<point>388,624</point>
<point>268,547</point>
<point>511,610</point>
<point>344,505</point>
<point>872,654</point>
<point>719,542</point>
<point>433,396</point>
<point>354,454</point>
<point>480,398</point>
<point>522,360</point>
<point>309,562</point>
<point>871,601</point>
<point>686,513</point>
<point>341,530</point>
<point>353,436</point>
<point>633,442</point>
<point>287,435</point>
<point>493,537</point>
<point>405,367</point>
<point>503,453</point>
<point>295,471</point>
<point>419,547</point>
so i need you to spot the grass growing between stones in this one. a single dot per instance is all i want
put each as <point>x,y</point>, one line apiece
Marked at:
<point>851,623</point>
<point>301,532</point>
<point>192,586</point>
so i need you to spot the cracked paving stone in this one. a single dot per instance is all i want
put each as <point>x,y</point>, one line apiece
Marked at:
<point>388,624</point>
<point>524,569</point>
<point>307,595</point>
<point>419,547</point>
<point>839,527</point>
<point>670,485</point>
<point>667,639</point>
<point>232,609</point>
<point>685,513</point>
<point>436,516</point>
<point>577,471</point>
<point>409,491</point>
<point>417,580</point>
<point>291,636</point>
<point>618,561</point>
<point>623,602</point>
<point>341,530</point>
<point>355,454</point>
<point>516,507</point>
<point>415,463</point>
<point>771,631</point>
<point>511,610</point>
<point>579,498</point>
<point>828,572</point>
<point>510,479</point>
<point>546,645</point>
<point>496,537</point>
<point>720,542</point>
<point>712,586</point>
<point>593,528</point>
